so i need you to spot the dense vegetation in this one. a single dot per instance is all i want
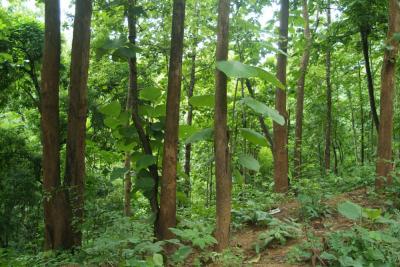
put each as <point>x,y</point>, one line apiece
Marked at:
<point>193,133</point>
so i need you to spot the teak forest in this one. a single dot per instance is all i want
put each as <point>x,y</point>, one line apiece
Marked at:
<point>199,133</point>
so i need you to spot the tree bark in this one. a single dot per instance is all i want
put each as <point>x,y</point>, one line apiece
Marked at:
<point>58,233</point>
<point>221,148</point>
<point>168,183</point>
<point>280,132</point>
<point>370,82</point>
<point>388,77</point>
<point>328,127</point>
<point>300,93</point>
<point>77,113</point>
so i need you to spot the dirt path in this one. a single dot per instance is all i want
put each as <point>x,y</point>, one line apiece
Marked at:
<point>276,257</point>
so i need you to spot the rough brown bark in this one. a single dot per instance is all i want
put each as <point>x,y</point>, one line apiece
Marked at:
<point>280,132</point>
<point>77,113</point>
<point>221,148</point>
<point>388,77</point>
<point>328,127</point>
<point>167,217</point>
<point>300,93</point>
<point>56,217</point>
<point>370,82</point>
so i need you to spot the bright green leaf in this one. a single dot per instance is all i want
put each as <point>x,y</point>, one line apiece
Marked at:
<point>253,137</point>
<point>202,135</point>
<point>150,94</point>
<point>262,109</point>
<point>350,210</point>
<point>202,101</point>
<point>112,109</point>
<point>145,161</point>
<point>249,162</point>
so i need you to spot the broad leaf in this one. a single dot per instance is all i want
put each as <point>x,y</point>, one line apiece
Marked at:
<point>262,109</point>
<point>350,210</point>
<point>236,69</point>
<point>202,101</point>
<point>253,137</point>
<point>111,109</point>
<point>249,162</point>
<point>145,161</point>
<point>150,94</point>
<point>205,134</point>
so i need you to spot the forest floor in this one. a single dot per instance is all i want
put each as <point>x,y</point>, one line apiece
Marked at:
<point>245,238</point>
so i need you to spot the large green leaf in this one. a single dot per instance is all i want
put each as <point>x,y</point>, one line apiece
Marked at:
<point>111,122</point>
<point>185,131</point>
<point>262,109</point>
<point>145,161</point>
<point>205,134</point>
<point>249,162</point>
<point>111,109</point>
<point>202,101</point>
<point>253,137</point>
<point>350,210</point>
<point>236,69</point>
<point>151,93</point>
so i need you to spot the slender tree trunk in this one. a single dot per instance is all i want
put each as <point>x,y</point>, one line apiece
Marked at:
<point>300,93</point>
<point>77,113</point>
<point>57,219</point>
<point>189,119</point>
<point>280,132</point>
<point>132,89</point>
<point>353,124</point>
<point>328,128</point>
<point>221,148</point>
<point>264,127</point>
<point>388,77</point>
<point>365,48</point>
<point>168,182</point>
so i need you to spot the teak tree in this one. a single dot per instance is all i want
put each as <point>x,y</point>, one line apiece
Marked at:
<point>281,167</point>
<point>384,164</point>
<point>328,125</point>
<point>167,217</point>
<point>57,218</point>
<point>221,148</point>
<point>65,204</point>
<point>300,92</point>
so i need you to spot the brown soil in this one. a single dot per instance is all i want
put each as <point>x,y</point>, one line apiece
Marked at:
<point>276,257</point>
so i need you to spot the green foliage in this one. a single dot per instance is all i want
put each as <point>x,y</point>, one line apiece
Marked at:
<point>202,101</point>
<point>253,137</point>
<point>263,110</point>
<point>249,162</point>
<point>312,206</point>
<point>202,135</point>
<point>198,234</point>
<point>278,232</point>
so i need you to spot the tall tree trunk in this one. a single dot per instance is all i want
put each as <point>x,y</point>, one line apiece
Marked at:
<point>365,47</point>
<point>221,148</point>
<point>77,113</point>
<point>57,221</point>
<point>168,182</point>
<point>132,89</point>
<point>280,132</point>
<point>300,93</point>
<point>328,128</point>
<point>189,118</point>
<point>388,77</point>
